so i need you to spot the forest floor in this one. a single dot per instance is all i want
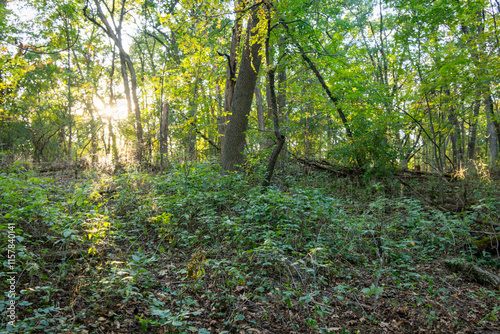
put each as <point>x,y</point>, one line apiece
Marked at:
<point>191,251</point>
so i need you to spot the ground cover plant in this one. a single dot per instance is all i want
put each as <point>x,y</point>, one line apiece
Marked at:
<point>190,250</point>
<point>248,166</point>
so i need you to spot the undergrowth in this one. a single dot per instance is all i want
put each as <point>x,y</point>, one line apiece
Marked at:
<point>195,251</point>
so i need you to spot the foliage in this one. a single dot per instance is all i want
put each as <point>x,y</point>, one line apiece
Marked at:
<point>169,244</point>
<point>192,244</point>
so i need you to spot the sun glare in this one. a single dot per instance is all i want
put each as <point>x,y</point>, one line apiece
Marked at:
<point>117,112</point>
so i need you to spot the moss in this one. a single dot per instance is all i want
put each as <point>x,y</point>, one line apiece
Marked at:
<point>490,244</point>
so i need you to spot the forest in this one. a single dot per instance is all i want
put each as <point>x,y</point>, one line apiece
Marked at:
<point>247,166</point>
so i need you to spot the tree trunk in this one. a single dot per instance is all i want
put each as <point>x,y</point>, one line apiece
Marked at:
<point>232,153</point>
<point>93,133</point>
<point>454,138</point>
<point>260,113</point>
<point>231,76</point>
<point>164,134</point>
<point>471,146</point>
<point>126,85</point>
<point>279,137</point>
<point>492,130</point>
<point>493,142</point>
<point>321,80</point>
<point>138,121</point>
<point>69,115</point>
<point>191,137</point>
<point>282,85</point>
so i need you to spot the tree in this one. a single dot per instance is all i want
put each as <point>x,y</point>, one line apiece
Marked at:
<point>115,33</point>
<point>231,70</point>
<point>232,153</point>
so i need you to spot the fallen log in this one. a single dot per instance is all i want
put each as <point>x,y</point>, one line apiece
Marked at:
<point>473,272</point>
<point>327,167</point>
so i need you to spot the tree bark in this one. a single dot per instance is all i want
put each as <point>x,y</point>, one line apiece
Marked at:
<point>93,136</point>
<point>112,105</point>
<point>454,138</point>
<point>164,134</point>
<point>492,130</point>
<point>232,154</point>
<point>138,121</point>
<point>471,146</point>
<point>260,112</point>
<point>282,84</point>
<point>69,115</point>
<point>191,137</point>
<point>231,76</point>
<point>493,143</point>
<point>279,137</point>
<point>126,85</point>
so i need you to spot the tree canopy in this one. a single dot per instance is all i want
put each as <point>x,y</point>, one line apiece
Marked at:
<point>359,83</point>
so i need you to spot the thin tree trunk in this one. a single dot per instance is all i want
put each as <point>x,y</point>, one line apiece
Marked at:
<point>454,138</point>
<point>138,121</point>
<point>70,120</point>
<point>273,106</point>
<point>260,113</point>
<point>492,133</point>
<point>471,146</point>
<point>313,67</point>
<point>279,137</point>
<point>112,105</point>
<point>282,85</point>
<point>164,134</point>
<point>126,84</point>
<point>191,138</point>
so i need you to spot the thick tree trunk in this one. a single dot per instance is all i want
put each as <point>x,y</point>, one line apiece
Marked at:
<point>232,153</point>
<point>231,76</point>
